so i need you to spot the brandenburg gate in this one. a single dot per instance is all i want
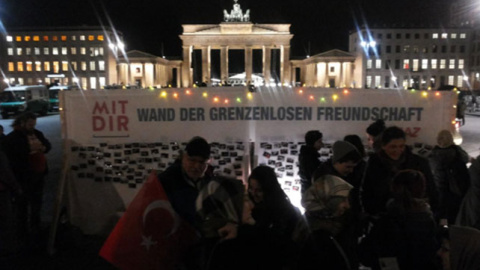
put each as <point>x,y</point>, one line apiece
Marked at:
<point>236,33</point>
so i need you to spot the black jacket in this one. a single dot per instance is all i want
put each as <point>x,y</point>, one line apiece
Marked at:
<point>308,162</point>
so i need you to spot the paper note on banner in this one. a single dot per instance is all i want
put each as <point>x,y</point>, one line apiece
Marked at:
<point>389,263</point>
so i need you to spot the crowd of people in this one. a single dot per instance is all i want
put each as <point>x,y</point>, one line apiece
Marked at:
<point>381,206</point>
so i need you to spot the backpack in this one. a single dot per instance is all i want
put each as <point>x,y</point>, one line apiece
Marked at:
<point>458,176</point>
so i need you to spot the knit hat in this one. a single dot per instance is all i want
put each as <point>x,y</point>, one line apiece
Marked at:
<point>375,128</point>
<point>198,147</point>
<point>312,136</point>
<point>341,149</point>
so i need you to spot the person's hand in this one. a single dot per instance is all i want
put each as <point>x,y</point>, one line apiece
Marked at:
<point>229,231</point>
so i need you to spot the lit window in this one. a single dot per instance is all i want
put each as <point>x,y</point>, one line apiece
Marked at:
<point>73,50</point>
<point>45,38</point>
<point>461,63</point>
<point>92,65</point>
<point>415,64</point>
<point>9,38</point>
<point>424,64</point>
<point>74,38</point>
<point>444,35</point>
<point>100,38</point>
<point>11,66</point>
<point>46,66</point>
<point>55,51</point>
<point>19,51</point>
<point>406,48</point>
<point>83,51</point>
<point>27,38</point>
<point>453,35</point>
<point>20,81</point>
<point>369,64</point>
<point>435,35</point>
<point>36,51</point>
<point>100,51</point>
<point>74,65</point>
<point>443,63</point>
<point>93,83</point>
<point>377,81</point>
<point>378,64</point>
<point>56,67</point>
<point>65,65</point>
<point>64,50</point>
<point>82,37</point>
<point>83,65</point>
<point>28,51</point>
<point>369,81</point>
<point>463,35</point>
<point>451,64</point>
<point>36,38</point>
<point>101,65</point>
<point>434,63</point>
<point>102,81</point>
<point>64,38</point>
<point>20,66</point>
<point>91,38</point>
<point>10,51</point>
<point>46,51</point>
<point>18,38</point>
<point>84,82</point>
<point>54,38</point>
<point>451,80</point>
<point>38,66</point>
<point>406,64</point>
<point>459,81</point>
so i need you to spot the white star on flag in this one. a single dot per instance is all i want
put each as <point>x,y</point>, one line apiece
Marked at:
<point>147,242</point>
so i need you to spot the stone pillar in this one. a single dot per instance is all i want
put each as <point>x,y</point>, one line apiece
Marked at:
<point>144,77</point>
<point>206,64</point>
<point>248,64</point>
<point>224,64</point>
<point>342,81</point>
<point>267,64</point>
<point>285,69</point>
<point>187,61</point>
<point>326,79</point>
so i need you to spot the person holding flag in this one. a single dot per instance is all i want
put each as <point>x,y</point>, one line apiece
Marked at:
<point>158,229</point>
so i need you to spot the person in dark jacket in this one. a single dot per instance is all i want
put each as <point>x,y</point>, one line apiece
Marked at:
<point>443,156</point>
<point>406,230</point>
<point>308,159</point>
<point>374,134</point>
<point>25,148</point>
<point>382,167</point>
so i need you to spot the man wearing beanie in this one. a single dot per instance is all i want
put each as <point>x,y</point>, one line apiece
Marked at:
<point>184,179</point>
<point>345,158</point>
<point>309,158</point>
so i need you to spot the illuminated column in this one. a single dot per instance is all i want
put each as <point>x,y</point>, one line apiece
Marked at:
<point>267,59</point>
<point>325,81</point>
<point>223,64</point>
<point>144,78</point>
<point>206,64</point>
<point>187,61</point>
<point>285,65</point>
<point>248,64</point>
<point>342,81</point>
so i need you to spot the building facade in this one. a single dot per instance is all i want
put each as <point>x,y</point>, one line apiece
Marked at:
<point>419,58</point>
<point>86,56</point>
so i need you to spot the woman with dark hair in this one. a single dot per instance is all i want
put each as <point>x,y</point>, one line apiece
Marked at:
<point>282,224</point>
<point>374,134</point>
<point>393,157</point>
<point>406,230</point>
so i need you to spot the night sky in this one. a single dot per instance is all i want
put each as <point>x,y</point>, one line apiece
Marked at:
<point>317,25</point>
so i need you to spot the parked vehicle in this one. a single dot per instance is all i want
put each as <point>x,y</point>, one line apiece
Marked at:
<point>18,99</point>
<point>53,95</point>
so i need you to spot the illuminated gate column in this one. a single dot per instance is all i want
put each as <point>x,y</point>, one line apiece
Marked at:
<point>267,59</point>
<point>224,64</point>
<point>206,64</point>
<point>285,65</point>
<point>248,64</point>
<point>187,62</point>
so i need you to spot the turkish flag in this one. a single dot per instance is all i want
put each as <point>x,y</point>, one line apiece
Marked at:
<point>149,235</point>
